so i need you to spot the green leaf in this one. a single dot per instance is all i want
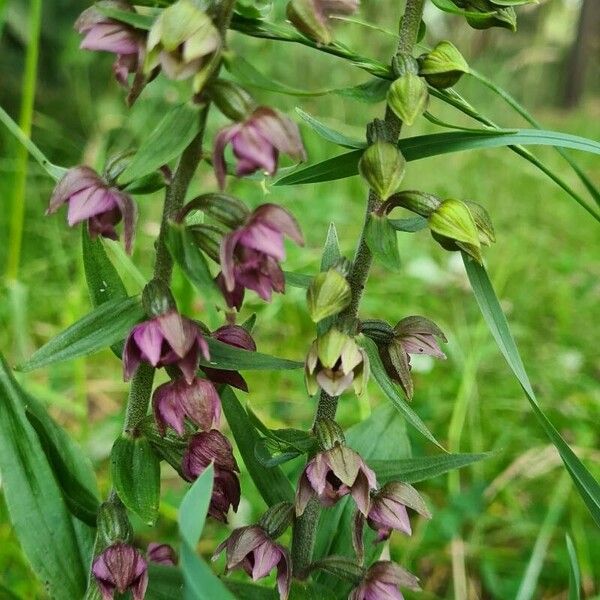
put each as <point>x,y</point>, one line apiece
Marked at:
<point>230,358</point>
<point>104,326</point>
<point>37,510</point>
<point>271,483</point>
<point>587,486</point>
<point>330,257</point>
<point>126,16</point>
<point>449,7</point>
<point>382,241</point>
<point>424,146</point>
<point>329,134</point>
<point>574,572</point>
<point>167,141</point>
<point>164,582</point>
<point>298,280</point>
<point>135,475</point>
<point>412,470</point>
<point>410,224</point>
<point>201,583</point>
<point>393,392</point>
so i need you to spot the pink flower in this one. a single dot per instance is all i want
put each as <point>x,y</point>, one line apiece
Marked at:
<point>333,474</point>
<point>163,554</point>
<point>90,198</point>
<point>198,400</point>
<point>257,142</point>
<point>382,582</point>
<point>168,339</point>
<point>253,550</point>
<point>121,568</point>
<point>250,255</point>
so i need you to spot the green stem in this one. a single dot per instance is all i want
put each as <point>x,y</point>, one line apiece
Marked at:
<point>305,528</point>
<point>15,236</point>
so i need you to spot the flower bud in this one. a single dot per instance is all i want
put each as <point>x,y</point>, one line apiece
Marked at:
<point>487,235</point>
<point>157,298</point>
<point>113,524</point>
<point>208,238</point>
<point>453,226</point>
<point>443,66</point>
<point>483,14</point>
<point>403,64</point>
<point>342,567</point>
<point>418,202</point>
<point>378,331</point>
<point>277,519</point>
<point>328,294</point>
<point>329,434</point>
<point>162,554</point>
<point>231,99</point>
<point>224,208</point>
<point>382,167</point>
<point>408,97</point>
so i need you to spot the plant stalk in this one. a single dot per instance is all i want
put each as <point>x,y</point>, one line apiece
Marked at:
<point>305,528</point>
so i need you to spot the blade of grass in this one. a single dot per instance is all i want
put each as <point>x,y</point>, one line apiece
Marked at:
<point>574,572</point>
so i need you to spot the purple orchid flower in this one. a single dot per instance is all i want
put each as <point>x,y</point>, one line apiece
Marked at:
<point>121,568</point>
<point>162,554</point>
<point>382,582</point>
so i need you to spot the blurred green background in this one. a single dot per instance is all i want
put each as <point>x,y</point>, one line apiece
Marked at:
<point>499,527</point>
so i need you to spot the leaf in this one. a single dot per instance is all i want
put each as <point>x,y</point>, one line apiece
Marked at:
<point>167,141</point>
<point>329,134</point>
<point>393,392</point>
<point>330,258</point>
<point>449,7</point>
<point>423,146</point>
<point>164,582</point>
<point>37,510</point>
<point>586,485</point>
<point>382,241</point>
<point>298,280</point>
<point>410,224</point>
<point>104,326</point>
<point>271,483</point>
<point>574,572</point>
<point>129,17</point>
<point>230,358</point>
<point>135,475</point>
<point>412,470</point>
<point>201,583</point>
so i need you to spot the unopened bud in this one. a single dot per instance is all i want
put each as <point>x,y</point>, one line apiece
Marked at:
<point>277,519</point>
<point>490,14</point>
<point>113,524</point>
<point>382,167</point>
<point>329,434</point>
<point>421,203</point>
<point>328,294</point>
<point>342,567</point>
<point>157,298</point>
<point>311,17</point>
<point>403,64</point>
<point>207,238</point>
<point>378,331</point>
<point>408,97</point>
<point>487,235</point>
<point>231,99</point>
<point>443,66</point>
<point>223,208</point>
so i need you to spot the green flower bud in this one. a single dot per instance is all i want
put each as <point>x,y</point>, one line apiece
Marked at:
<point>443,66</point>
<point>342,567</point>
<point>408,97</point>
<point>226,209</point>
<point>113,524</point>
<point>378,331</point>
<point>491,15</point>
<point>329,434</point>
<point>277,519</point>
<point>418,202</point>
<point>311,17</point>
<point>328,294</point>
<point>487,235</point>
<point>382,167</point>
<point>208,239</point>
<point>403,64</point>
<point>157,298</point>
<point>231,99</point>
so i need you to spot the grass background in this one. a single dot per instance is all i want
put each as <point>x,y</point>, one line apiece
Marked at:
<point>504,519</point>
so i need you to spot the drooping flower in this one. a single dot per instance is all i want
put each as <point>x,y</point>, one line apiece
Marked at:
<point>383,581</point>
<point>334,363</point>
<point>250,255</point>
<point>257,142</point>
<point>226,494</point>
<point>108,35</point>
<point>198,400</point>
<point>333,474</point>
<point>254,551</point>
<point>388,509</point>
<point>121,568</point>
<point>237,336</point>
<point>167,339</point>
<point>312,17</point>
<point>234,298</point>
<point>90,198</point>
<point>163,554</point>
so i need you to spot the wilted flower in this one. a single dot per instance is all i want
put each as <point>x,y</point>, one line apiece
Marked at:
<point>184,42</point>
<point>332,474</point>
<point>237,336</point>
<point>121,568</point>
<point>163,554</point>
<point>213,447</point>
<point>412,335</point>
<point>253,550</point>
<point>108,35</point>
<point>382,582</point>
<point>167,339</point>
<point>388,509</point>
<point>250,255</point>
<point>311,17</point>
<point>334,363</point>
<point>198,400</point>
<point>257,142</point>
<point>90,198</point>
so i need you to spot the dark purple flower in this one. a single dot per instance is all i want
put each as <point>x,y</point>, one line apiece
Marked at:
<point>92,199</point>
<point>257,142</point>
<point>382,582</point>
<point>253,550</point>
<point>250,255</point>
<point>388,509</point>
<point>121,568</point>
<point>163,554</point>
<point>237,336</point>
<point>213,447</point>
<point>332,474</point>
<point>198,400</point>
<point>168,339</point>
<point>235,298</point>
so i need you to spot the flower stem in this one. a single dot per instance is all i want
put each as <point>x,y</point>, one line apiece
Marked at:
<point>305,527</point>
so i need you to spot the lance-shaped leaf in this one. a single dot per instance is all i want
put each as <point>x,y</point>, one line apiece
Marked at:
<point>382,241</point>
<point>587,486</point>
<point>574,571</point>
<point>164,582</point>
<point>104,326</point>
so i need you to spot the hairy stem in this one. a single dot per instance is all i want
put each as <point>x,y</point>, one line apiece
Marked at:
<point>305,527</point>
